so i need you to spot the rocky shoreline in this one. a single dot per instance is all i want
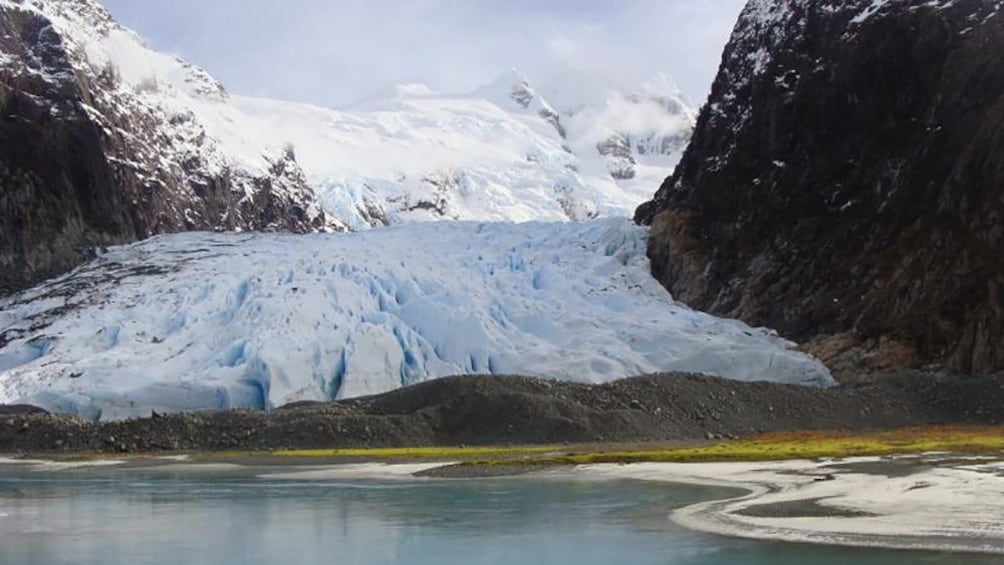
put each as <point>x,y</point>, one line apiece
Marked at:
<point>509,410</point>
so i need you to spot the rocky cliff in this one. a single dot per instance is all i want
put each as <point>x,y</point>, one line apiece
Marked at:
<point>845,183</point>
<point>95,150</point>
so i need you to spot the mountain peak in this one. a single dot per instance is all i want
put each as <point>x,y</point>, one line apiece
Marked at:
<point>97,44</point>
<point>515,77</point>
<point>413,90</point>
<point>513,87</point>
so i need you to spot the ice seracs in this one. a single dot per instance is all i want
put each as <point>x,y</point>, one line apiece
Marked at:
<point>210,321</point>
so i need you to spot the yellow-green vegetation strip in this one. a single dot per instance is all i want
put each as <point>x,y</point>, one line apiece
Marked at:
<point>978,440</point>
<point>803,445</point>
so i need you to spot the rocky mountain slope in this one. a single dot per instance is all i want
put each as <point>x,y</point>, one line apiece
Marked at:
<point>103,141</point>
<point>846,182</point>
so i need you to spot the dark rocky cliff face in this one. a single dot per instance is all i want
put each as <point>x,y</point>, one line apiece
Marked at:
<point>845,183</point>
<point>86,161</point>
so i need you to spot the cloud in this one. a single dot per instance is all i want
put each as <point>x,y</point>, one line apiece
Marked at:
<point>332,53</point>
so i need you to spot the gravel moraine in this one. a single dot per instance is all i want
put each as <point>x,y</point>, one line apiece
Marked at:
<point>520,410</point>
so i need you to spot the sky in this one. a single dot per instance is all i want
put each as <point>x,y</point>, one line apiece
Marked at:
<point>336,52</point>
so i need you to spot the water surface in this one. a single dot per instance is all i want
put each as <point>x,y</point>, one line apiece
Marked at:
<point>174,516</point>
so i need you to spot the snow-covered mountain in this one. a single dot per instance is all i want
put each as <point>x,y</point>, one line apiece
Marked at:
<point>202,321</point>
<point>633,135</point>
<point>104,141</point>
<point>416,156</point>
<point>499,153</point>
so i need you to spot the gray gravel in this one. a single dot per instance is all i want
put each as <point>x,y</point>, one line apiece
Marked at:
<point>518,410</point>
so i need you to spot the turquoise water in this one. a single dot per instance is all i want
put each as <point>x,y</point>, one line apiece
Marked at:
<point>164,516</point>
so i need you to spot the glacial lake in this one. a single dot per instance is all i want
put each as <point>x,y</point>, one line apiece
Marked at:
<point>177,516</point>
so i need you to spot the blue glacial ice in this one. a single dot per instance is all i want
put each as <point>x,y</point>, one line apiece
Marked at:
<point>212,321</point>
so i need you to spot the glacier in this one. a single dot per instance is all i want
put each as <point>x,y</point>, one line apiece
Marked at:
<point>214,321</point>
<point>200,321</point>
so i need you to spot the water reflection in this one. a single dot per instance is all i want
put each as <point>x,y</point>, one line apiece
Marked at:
<point>232,516</point>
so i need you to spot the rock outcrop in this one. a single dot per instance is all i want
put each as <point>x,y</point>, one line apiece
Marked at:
<point>845,183</point>
<point>91,155</point>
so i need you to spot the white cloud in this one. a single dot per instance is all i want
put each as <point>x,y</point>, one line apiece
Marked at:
<point>334,52</point>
